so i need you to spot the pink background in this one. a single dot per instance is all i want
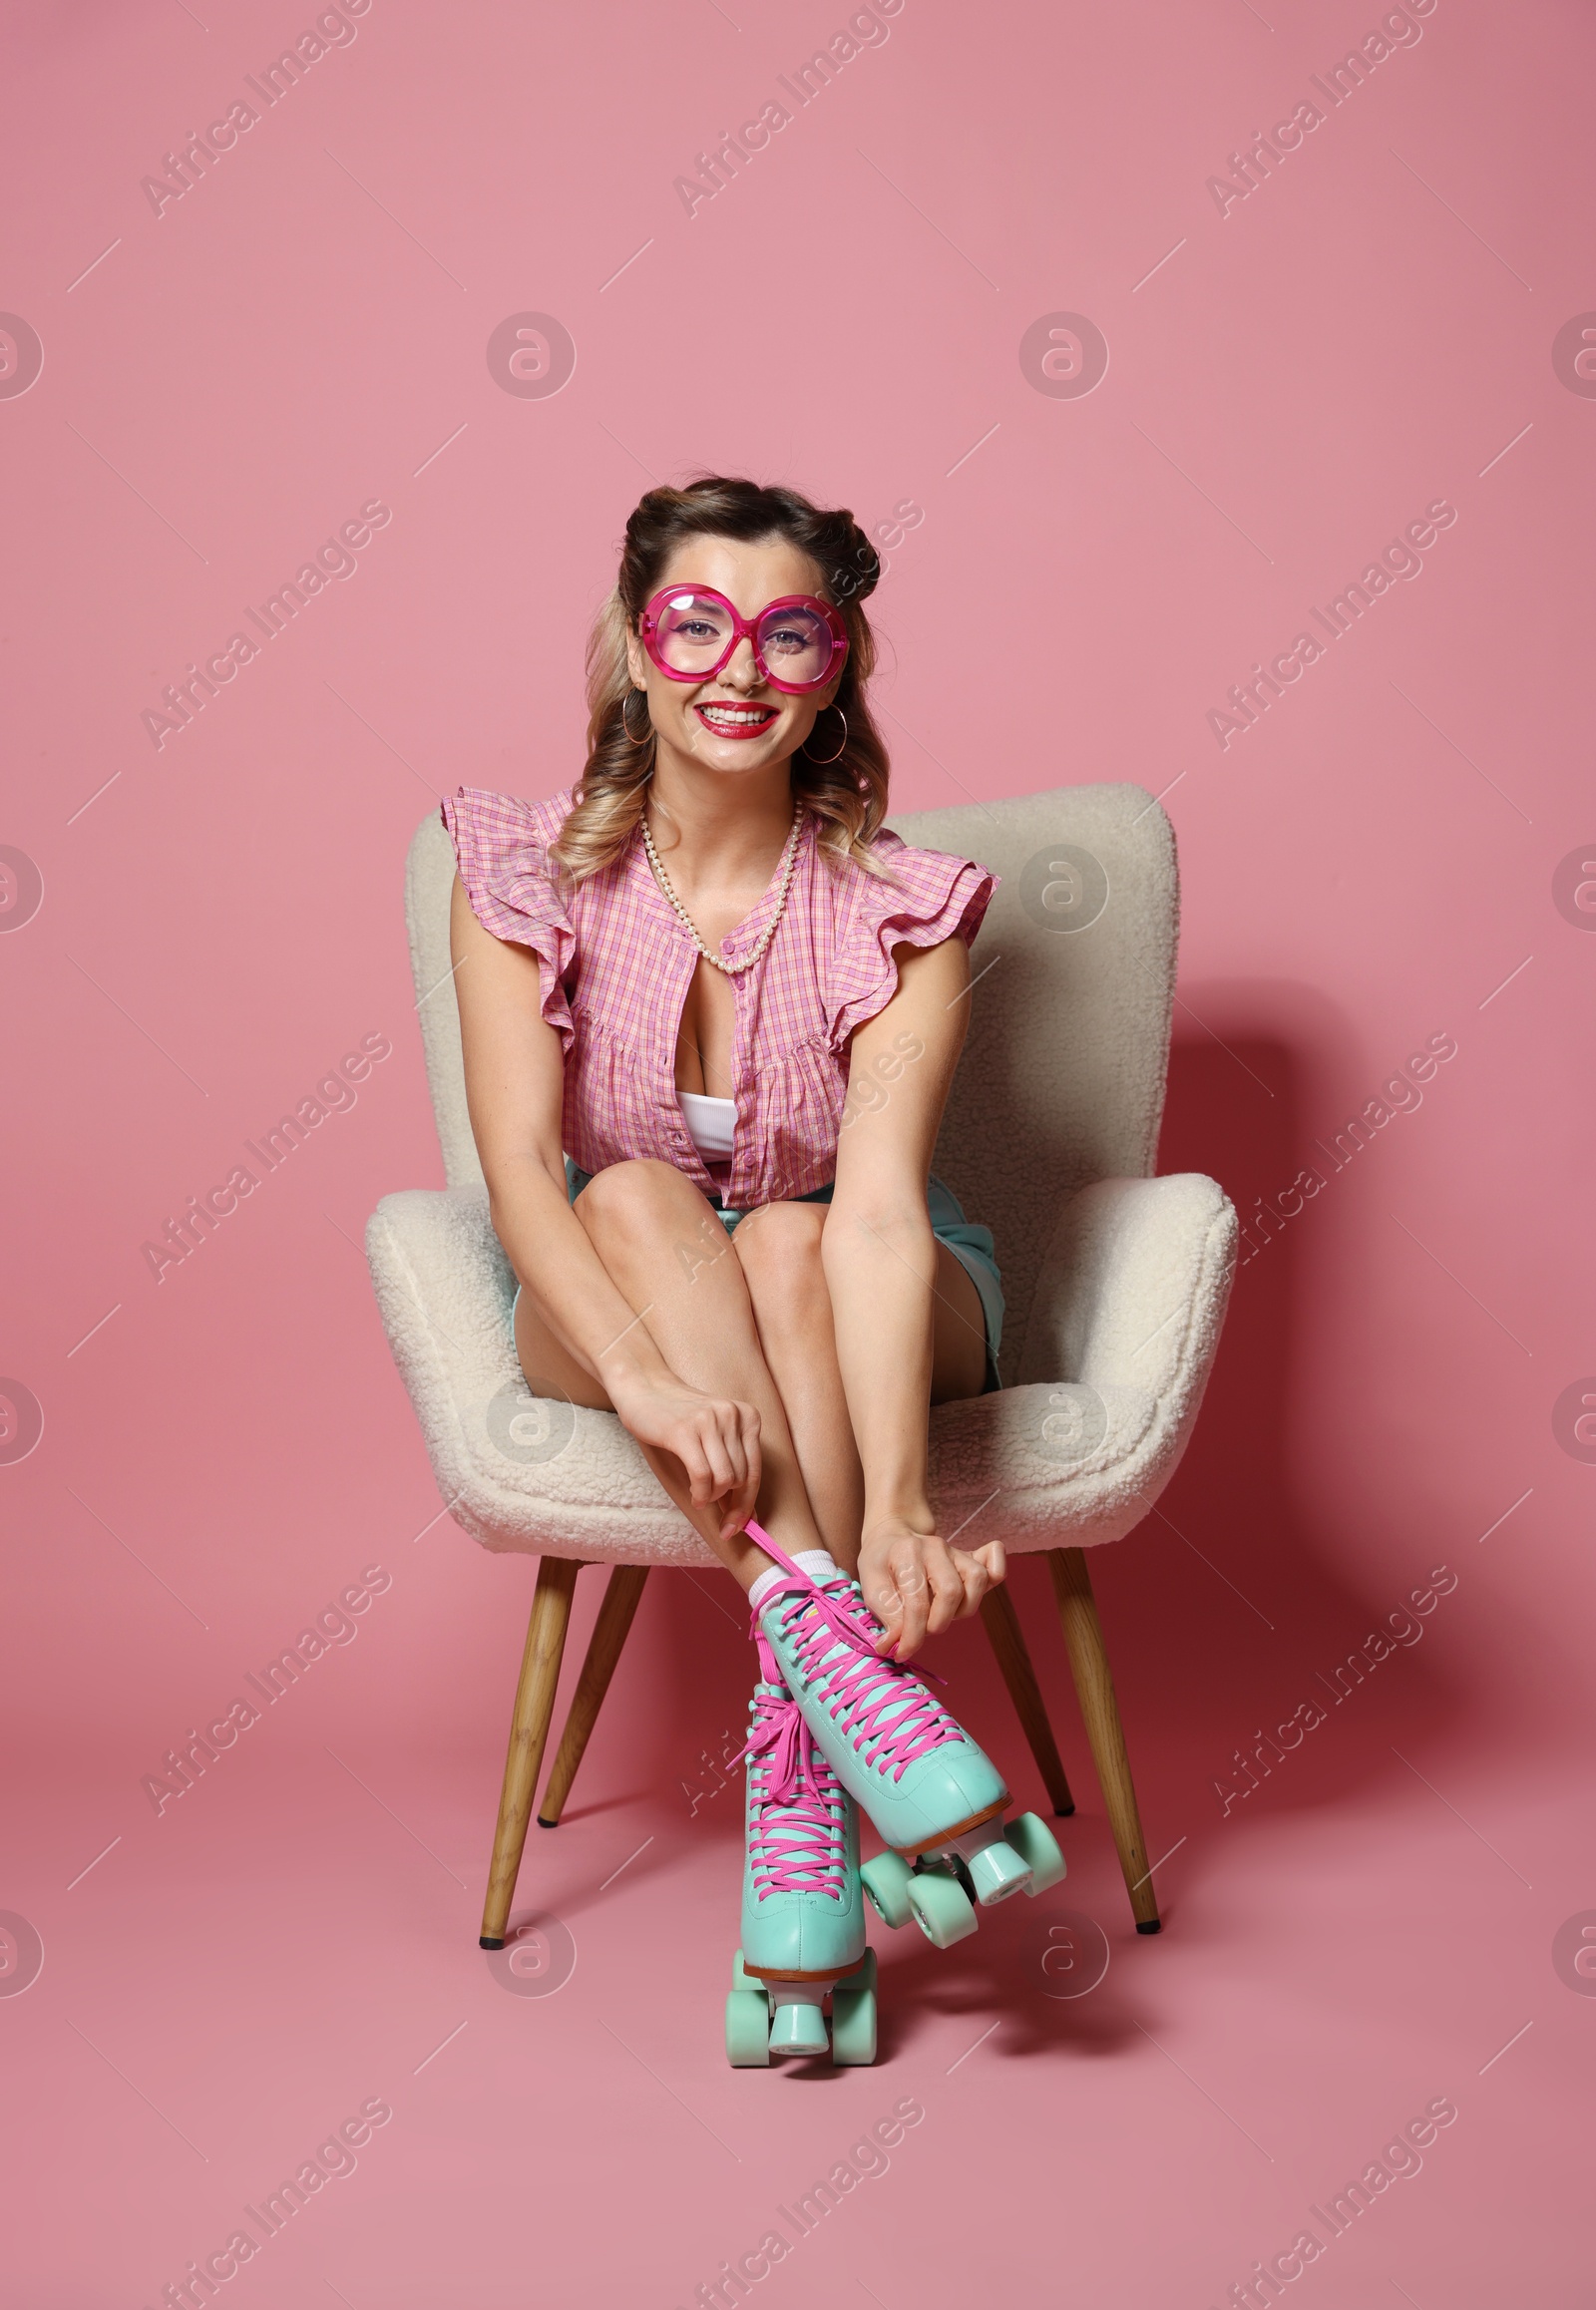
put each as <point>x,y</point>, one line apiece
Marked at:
<point>304,331</point>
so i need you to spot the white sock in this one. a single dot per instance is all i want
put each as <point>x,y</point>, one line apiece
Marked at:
<point>817,1562</point>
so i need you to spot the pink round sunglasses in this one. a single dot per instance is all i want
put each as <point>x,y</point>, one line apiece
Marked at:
<point>692,631</point>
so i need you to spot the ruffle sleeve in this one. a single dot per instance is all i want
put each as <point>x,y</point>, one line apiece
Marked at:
<point>502,848</point>
<point>930,895</point>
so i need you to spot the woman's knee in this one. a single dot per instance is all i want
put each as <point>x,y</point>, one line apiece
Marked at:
<point>779,1247</point>
<point>624,1196</point>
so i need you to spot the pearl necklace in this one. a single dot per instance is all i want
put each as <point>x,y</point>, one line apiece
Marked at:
<point>789,859</point>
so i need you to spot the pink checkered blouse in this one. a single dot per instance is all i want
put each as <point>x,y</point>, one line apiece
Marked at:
<point>614,966</point>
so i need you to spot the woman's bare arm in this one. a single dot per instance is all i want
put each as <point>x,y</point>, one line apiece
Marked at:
<point>881,1261</point>
<point>515,1090</point>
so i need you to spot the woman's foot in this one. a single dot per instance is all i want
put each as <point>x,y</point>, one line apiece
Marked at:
<point>895,1748</point>
<point>931,1791</point>
<point>803,1912</point>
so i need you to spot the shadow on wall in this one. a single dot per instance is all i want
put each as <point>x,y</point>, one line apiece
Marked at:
<point>1254,1671</point>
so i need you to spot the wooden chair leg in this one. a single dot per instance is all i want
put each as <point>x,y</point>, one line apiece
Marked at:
<point>1088,1662</point>
<point>529,1730</point>
<point>622,1597</point>
<point>1003,1627</point>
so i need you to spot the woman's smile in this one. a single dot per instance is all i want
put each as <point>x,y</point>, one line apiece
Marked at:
<point>730,720</point>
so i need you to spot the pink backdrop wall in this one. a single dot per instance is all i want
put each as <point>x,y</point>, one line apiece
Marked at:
<point>1387,321</point>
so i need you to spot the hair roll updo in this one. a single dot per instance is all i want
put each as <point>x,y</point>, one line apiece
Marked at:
<point>848,795</point>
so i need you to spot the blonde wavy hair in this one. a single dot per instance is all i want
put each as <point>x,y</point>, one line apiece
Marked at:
<point>848,795</point>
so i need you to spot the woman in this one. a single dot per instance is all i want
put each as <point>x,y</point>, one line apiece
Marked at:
<point>713,977</point>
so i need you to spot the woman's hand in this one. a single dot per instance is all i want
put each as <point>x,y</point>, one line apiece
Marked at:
<point>915,1584</point>
<point>714,1440</point>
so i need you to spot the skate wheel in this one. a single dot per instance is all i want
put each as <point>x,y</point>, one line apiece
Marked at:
<point>852,2021</point>
<point>886,1883</point>
<point>1036,1843</point>
<point>748,2030</point>
<point>940,1908</point>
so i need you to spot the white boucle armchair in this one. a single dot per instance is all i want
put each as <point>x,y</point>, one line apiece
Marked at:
<point>1115,1282</point>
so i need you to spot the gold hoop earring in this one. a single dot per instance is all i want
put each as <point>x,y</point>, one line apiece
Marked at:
<point>625,720</point>
<point>821,760</point>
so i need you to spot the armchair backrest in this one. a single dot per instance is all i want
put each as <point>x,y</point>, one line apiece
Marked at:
<point>1062,1075</point>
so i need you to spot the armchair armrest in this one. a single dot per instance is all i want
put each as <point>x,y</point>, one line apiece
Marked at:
<point>519,1472</point>
<point>1133,1287</point>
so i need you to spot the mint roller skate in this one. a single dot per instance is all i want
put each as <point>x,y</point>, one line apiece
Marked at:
<point>936,1799</point>
<point>803,1912</point>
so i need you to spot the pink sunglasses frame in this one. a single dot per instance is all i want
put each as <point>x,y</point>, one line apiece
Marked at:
<point>745,629</point>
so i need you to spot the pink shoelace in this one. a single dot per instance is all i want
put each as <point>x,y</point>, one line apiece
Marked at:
<point>796,1845</point>
<point>882,1706</point>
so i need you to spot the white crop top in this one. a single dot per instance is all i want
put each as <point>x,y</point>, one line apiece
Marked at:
<point>710,1122</point>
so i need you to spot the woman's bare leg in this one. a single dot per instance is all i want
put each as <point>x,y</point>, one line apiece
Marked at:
<point>670,1257</point>
<point>778,1249</point>
<point>550,1368</point>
